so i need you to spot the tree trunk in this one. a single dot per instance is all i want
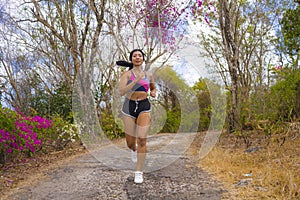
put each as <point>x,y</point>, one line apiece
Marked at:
<point>231,53</point>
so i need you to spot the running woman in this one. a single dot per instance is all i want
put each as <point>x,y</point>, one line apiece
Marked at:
<point>135,85</point>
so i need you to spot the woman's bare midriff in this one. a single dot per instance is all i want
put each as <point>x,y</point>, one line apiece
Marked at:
<point>137,95</point>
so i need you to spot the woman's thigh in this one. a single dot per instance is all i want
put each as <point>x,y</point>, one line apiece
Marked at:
<point>143,124</point>
<point>129,126</point>
<point>130,131</point>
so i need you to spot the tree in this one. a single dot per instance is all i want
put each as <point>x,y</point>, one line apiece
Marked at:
<point>48,43</point>
<point>65,40</point>
<point>291,33</point>
<point>70,33</point>
<point>169,85</point>
<point>240,46</point>
<point>157,27</point>
<point>178,100</point>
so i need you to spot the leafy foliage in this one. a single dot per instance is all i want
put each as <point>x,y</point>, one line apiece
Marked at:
<point>61,101</point>
<point>284,95</point>
<point>211,105</point>
<point>281,101</point>
<point>169,88</point>
<point>204,103</point>
<point>173,120</point>
<point>103,96</point>
<point>109,125</point>
<point>291,30</point>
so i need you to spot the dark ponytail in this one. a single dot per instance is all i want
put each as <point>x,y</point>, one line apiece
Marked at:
<point>124,63</point>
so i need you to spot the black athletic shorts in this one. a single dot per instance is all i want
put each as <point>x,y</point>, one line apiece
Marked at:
<point>134,108</point>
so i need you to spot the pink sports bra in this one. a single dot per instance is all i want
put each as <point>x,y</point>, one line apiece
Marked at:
<point>141,85</point>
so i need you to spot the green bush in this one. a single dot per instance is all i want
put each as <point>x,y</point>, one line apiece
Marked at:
<point>283,95</point>
<point>109,126</point>
<point>281,101</point>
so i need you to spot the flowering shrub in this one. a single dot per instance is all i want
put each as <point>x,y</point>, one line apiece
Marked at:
<point>68,133</point>
<point>23,135</point>
<point>62,133</point>
<point>19,133</point>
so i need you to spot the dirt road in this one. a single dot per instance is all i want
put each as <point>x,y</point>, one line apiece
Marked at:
<point>85,177</point>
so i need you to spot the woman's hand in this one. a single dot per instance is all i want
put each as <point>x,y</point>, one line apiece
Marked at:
<point>152,86</point>
<point>153,93</point>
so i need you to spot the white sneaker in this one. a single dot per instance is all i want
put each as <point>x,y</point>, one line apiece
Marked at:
<point>138,177</point>
<point>134,156</point>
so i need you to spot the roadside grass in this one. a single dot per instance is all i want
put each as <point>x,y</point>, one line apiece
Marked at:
<point>272,172</point>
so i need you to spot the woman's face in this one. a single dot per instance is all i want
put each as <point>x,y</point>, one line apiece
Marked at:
<point>137,58</point>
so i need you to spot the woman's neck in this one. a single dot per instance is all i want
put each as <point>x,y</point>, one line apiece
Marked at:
<point>137,68</point>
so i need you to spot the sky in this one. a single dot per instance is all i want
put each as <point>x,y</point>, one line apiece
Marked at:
<point>191,64</point>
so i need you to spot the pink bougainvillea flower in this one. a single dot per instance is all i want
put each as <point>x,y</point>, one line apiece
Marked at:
<point>37,142</point>
<point>9,150</point>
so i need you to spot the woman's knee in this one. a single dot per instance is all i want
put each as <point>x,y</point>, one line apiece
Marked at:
<point>131,142</point>
<point>130,145</point>
<point>142,142</point>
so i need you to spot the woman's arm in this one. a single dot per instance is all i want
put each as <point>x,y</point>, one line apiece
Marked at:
<point>123,86</point>
<point>152,86</point>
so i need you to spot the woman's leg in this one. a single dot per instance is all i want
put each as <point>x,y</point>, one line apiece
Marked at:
<point>143,124</point>
<point>130,128</point>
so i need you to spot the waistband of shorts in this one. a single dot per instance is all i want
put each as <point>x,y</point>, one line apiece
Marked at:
<point>138,100</point>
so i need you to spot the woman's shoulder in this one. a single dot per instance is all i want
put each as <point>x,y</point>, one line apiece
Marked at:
<point>148,73</point>
<point>127,73</point>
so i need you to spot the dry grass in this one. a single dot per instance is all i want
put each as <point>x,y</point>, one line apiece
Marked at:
<point>274,169</point>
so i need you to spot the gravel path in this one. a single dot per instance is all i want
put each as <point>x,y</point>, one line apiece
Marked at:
<point>84,177</point>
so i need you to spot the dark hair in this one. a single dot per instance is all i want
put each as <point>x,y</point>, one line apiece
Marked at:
<point>125,64</point>
<point>134,50</point>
